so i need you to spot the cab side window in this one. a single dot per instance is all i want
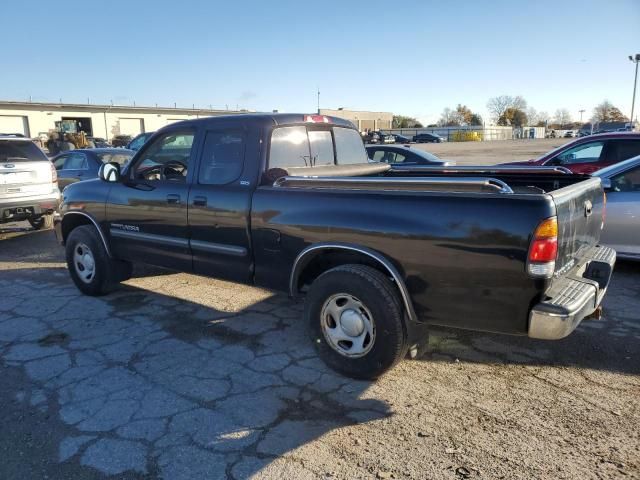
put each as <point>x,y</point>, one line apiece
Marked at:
<point>166,159</point>
<point>222,158</point>
<point>628,181</point>
<point>585,153</point>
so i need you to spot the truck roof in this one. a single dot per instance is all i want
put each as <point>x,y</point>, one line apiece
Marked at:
<point>270,119</point>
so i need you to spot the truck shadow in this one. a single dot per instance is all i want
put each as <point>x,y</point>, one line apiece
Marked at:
<point>197,382</point>
<point>611,343</point>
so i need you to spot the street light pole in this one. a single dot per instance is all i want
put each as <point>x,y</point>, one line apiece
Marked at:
<point>635,59</point>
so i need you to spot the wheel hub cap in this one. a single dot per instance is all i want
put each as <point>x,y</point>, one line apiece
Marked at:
<point>84,263</point>
<point>347,325</point>
<point>352,323</point>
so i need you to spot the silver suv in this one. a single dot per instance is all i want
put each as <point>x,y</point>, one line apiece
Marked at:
<point>28,183</point>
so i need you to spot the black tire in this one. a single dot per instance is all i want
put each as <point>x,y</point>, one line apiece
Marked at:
<point>44,222</point>
<point>376,292</point>
<point>107,272</point>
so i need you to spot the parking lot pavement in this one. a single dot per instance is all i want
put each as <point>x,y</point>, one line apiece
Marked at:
<point>175,376</point>
<point>491,153</point>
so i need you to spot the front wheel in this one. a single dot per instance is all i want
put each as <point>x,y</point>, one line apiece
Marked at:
<point>44,222</point>
<point>356,321</point>
<point>90,267</point>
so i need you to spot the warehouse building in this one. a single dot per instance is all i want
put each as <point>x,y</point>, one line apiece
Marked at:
<point>365,121</point>
<point>102,121</point>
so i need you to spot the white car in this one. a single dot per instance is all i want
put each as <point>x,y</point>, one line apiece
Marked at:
<point>28,183</point>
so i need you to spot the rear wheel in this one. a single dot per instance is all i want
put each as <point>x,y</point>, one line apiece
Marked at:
<point>44,222</point>
<point>91,269</point>
<point>356,321</point>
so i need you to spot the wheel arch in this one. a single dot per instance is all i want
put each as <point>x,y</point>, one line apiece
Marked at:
<point>74,219</point>
<point>318,258</point>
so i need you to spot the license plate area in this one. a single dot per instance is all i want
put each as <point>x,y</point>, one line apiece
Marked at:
<point>18,212</point>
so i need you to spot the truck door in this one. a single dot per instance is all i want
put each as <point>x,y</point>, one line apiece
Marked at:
<point>147,210</point>
<point>220,203</point>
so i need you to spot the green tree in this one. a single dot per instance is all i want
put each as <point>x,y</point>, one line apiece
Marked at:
<point>513,117</point>
<point>400,121</point>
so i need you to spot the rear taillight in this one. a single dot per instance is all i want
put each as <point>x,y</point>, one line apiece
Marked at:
<point>54,174</point>
<point>543,250</point>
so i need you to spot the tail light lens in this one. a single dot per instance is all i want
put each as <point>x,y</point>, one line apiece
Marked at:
<point>543,250</point>
<point>54,174</point>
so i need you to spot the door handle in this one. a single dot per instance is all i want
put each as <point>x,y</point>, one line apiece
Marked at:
<point>200,201</point>
<point>172,198</point>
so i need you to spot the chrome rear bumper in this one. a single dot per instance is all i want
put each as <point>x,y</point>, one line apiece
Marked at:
<point>573,296</point>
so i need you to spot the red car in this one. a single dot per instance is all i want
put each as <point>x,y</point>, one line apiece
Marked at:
<point>588,154</point>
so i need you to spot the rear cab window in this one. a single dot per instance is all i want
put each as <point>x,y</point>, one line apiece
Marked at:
<point>14,151</point>
<point>315,146</point>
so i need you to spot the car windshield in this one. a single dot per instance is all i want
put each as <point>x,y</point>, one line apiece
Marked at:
<point>20,151</point>
<point>604,172</point>
<point>429,156</point>
<point>117,157</point>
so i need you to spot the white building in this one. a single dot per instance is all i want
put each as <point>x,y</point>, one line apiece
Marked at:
<point>103,121</point>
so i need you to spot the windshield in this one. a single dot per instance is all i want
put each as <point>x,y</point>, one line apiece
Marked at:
<point>20,151</point>
<point>429,156</point>
<point>118,157</point>
<point>604,172</point>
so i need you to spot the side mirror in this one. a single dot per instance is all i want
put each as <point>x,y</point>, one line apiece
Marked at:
<point>606,183</point>
<point>109,172</point>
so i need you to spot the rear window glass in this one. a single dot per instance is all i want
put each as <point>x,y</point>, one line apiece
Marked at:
<point>121,158</point>
<point>20,151</point>
<point>298,147</point>
<point>321,148</point>
<point>289,148</point>
<point>349,146</point>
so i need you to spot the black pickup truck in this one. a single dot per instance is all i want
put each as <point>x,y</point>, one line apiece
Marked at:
<point>291,202</point>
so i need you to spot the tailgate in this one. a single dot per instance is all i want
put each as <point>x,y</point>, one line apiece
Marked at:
<point>580,209</point>
<point>25,178</point>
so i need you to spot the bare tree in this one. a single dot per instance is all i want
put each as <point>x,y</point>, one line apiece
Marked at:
<point>607,112</point>
<point>498,105</point>
<point>543,117</point>
<point>449,118</point>
<point>532,115</point>
<point>562,117</point>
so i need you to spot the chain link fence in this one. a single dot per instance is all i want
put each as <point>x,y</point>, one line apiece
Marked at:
<point>473,134</point>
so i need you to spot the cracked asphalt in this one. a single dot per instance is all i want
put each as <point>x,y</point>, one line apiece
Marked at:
<point>180,377</point>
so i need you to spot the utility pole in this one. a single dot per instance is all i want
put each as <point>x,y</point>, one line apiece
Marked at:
<point>318,100</point>
<point>635,59</point>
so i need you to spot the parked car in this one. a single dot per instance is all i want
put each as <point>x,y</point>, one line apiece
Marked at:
<point>379,137</point>
<point>290,202</point>
<point>138,141</point>
<point>403,155</point>
<point>28,183</point>
<point>428,138</point>
<point>75,165</point>
<point>588,154</point>
<point>121,140</point>
<point>569,134</point>
<point>622,225</point>
<point>401,138</point>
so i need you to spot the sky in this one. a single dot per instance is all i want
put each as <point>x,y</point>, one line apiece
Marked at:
<point>411,58</point>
